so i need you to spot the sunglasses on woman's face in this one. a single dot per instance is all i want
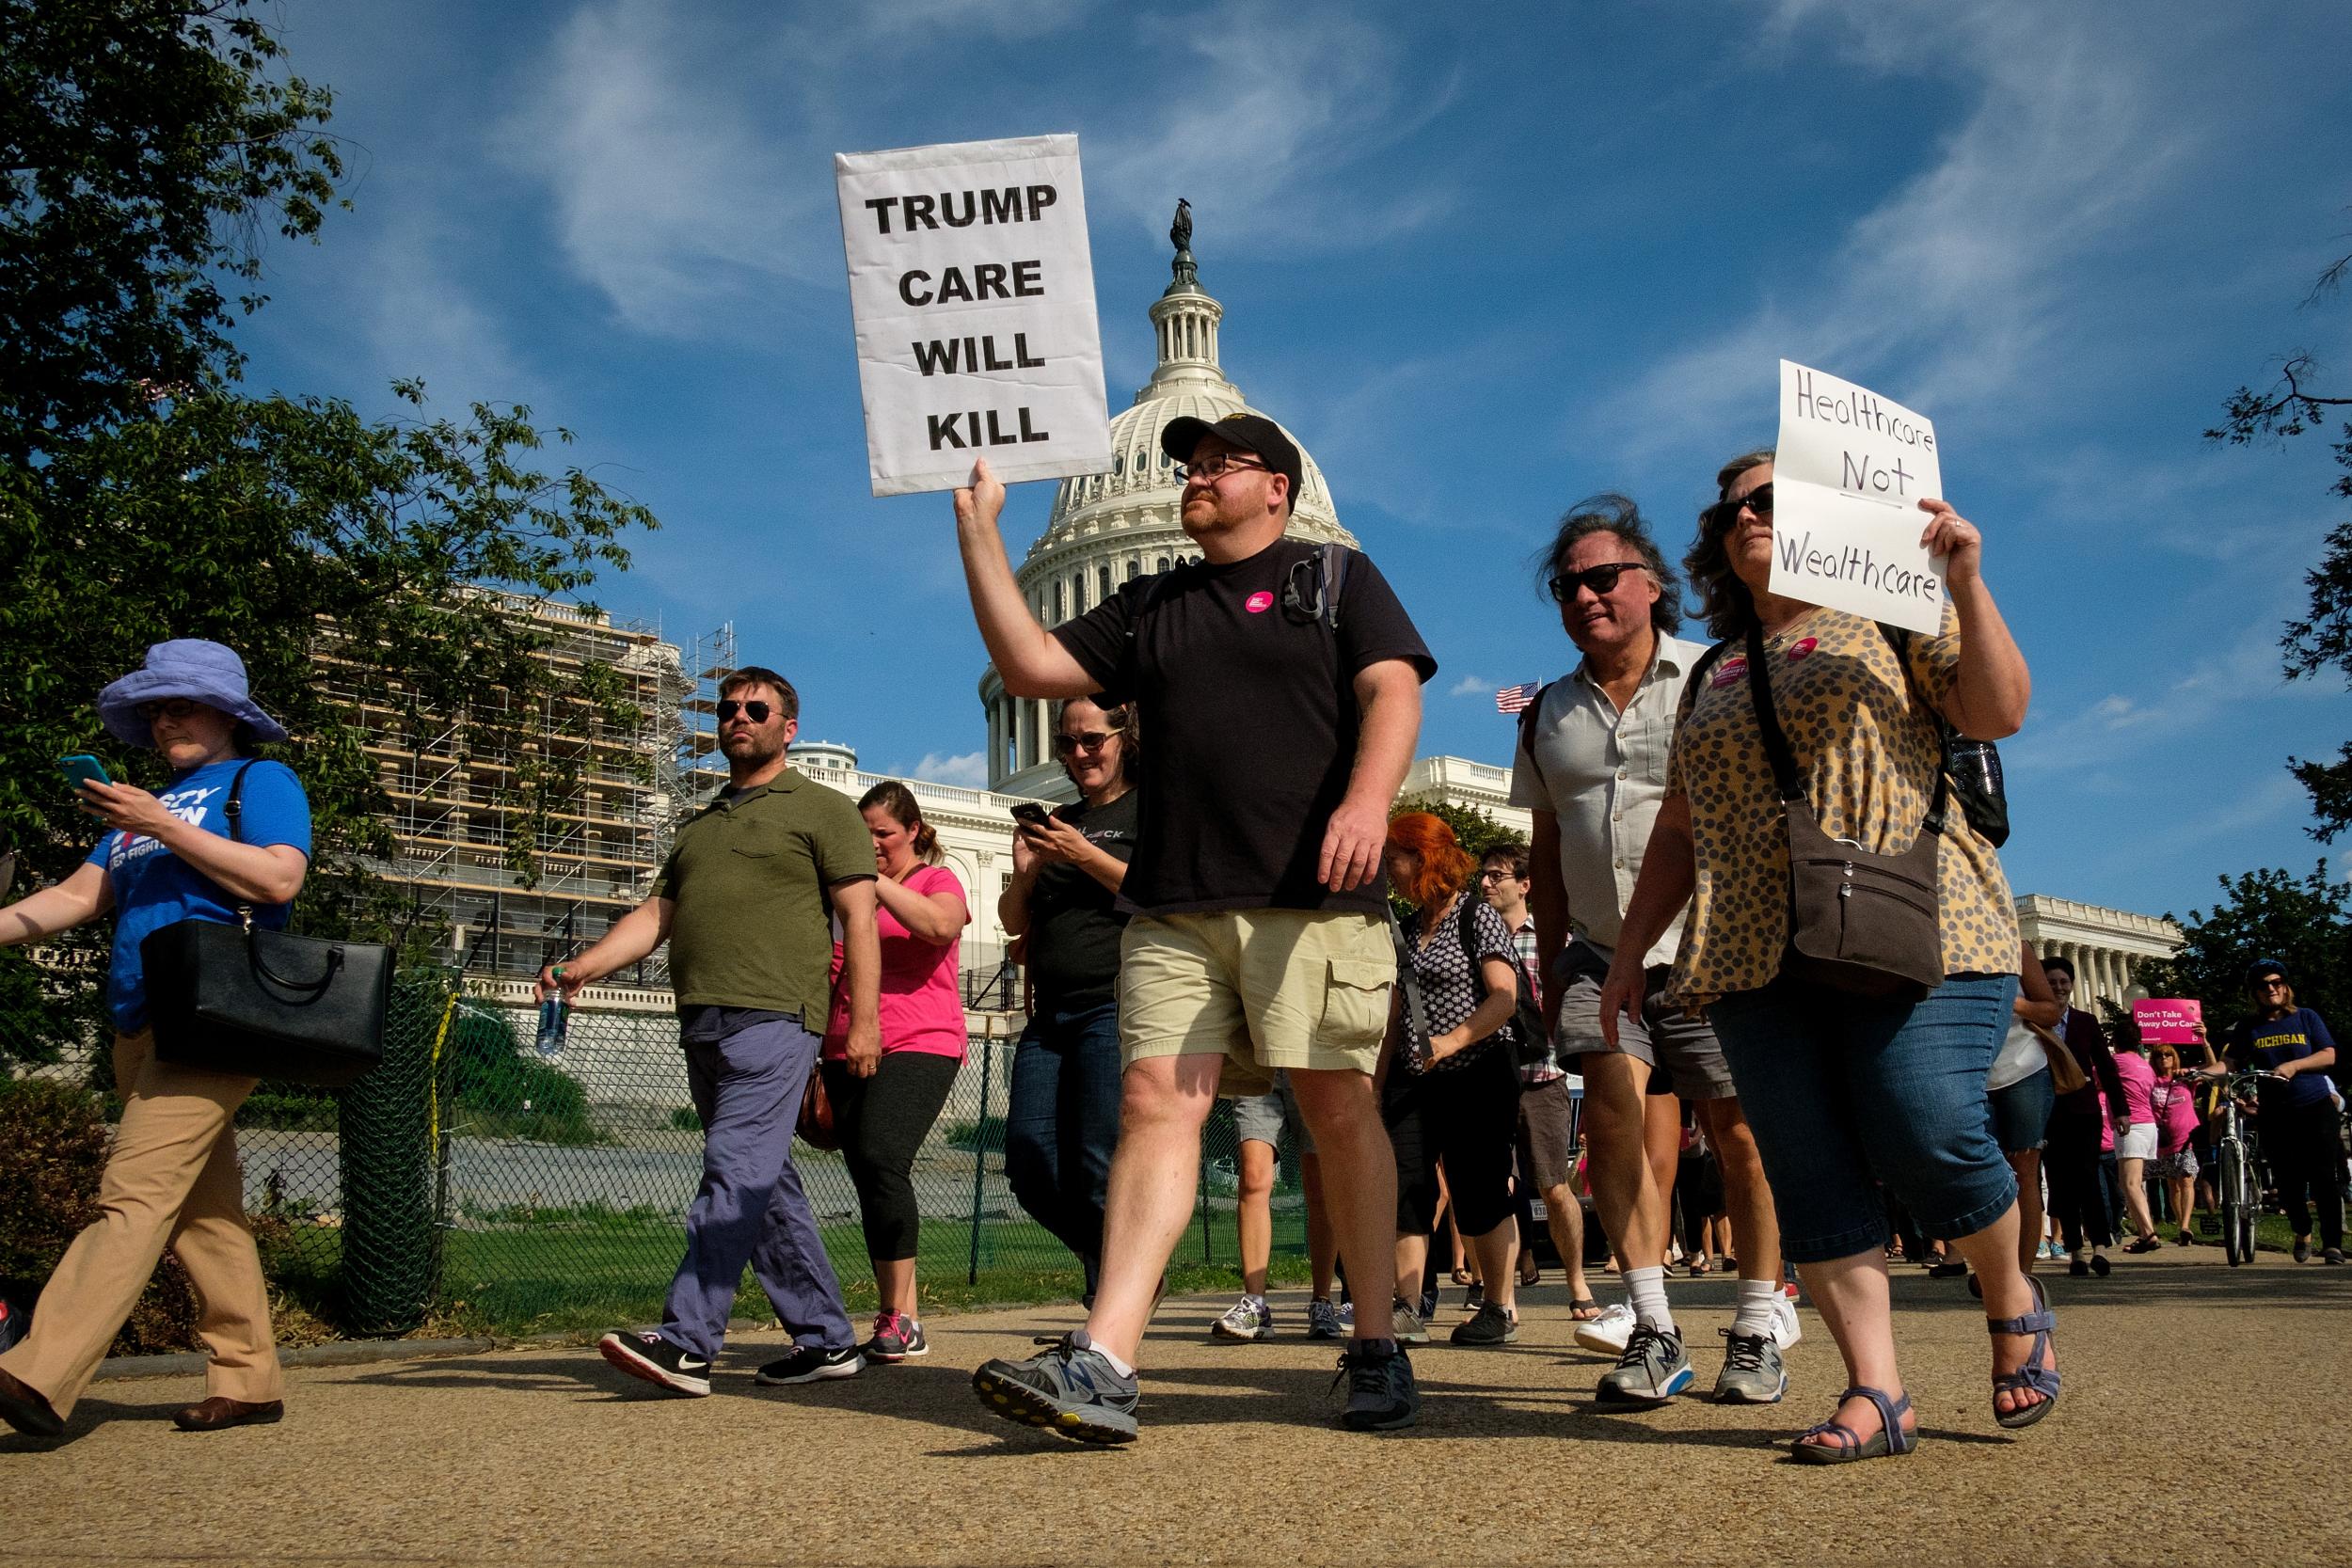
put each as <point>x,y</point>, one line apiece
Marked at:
<point>756,710</point>
<point>1089,740</point>
<point>1758,501</point>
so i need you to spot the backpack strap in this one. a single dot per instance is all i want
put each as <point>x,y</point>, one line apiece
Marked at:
<point>233,808</point>
<point>1331,567</point>
<point>1530,716</point>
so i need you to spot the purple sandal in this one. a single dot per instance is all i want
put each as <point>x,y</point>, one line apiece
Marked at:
<point>2034,1376</point>
<point>1846,1447</point>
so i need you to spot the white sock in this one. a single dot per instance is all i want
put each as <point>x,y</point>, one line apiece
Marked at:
<point>1645,1289</point>
<point>1753,1319</point>
<point>1085,1341</point>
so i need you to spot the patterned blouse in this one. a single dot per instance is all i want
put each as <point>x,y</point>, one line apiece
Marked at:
<point>1868,759</point>
<point>1451,989</point>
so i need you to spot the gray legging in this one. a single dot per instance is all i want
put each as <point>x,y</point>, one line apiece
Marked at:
<point>882,1120</point>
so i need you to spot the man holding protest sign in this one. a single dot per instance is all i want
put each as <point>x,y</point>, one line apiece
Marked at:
<point>1281,685</point>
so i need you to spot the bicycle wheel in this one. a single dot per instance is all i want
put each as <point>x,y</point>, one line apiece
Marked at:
<point>2237,1226</point>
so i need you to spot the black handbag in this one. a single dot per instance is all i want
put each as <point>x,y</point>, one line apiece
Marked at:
<point>1857,922</point>
<point>262,1004</point>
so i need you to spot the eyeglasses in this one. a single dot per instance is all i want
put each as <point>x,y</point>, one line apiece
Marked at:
<point>1758,501</point>
<point>1092,741</point>
<point>1602,580</point>
<point>1215,467</point>
<point>169,707</point>
<point>756,710</point>
<point>2271,984</point>
<point>1499,876</point>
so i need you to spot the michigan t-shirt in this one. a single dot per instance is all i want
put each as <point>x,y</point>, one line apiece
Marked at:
<point>1249,722</point>
<point>154,888</point>
<point>2287,1038</point>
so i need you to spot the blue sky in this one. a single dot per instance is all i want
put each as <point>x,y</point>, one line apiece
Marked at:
<point>1485,263</point>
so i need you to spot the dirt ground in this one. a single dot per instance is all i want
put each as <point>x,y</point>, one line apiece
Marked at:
<point>2204,1416</point>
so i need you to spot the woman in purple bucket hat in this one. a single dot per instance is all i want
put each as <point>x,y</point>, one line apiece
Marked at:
<point>172,1178</point>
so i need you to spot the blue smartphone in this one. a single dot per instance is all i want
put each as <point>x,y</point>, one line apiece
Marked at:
<point>83,769</point>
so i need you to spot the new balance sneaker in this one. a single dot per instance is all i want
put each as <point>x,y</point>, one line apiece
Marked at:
<point>1323,1321</point>
<point>1070,1388</point>
<point>1249,1318</point>
<point>1409,1328</point>
<point>811,1364</point>
<point>1607,1333</point>
<point>658,1361</point>
<point>1380,1393</point>
<point>1428,1304</point>
<point>897,1337</point>
<point>1786,1330</point>
<point>1491,1326</point>
<point>1753,1373</point>
<point>1652,1371</point>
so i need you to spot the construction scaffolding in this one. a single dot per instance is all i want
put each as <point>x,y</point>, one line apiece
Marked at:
<point>700,771</point>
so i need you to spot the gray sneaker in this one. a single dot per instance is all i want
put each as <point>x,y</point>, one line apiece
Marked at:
<point>1409,1328</point>
<point>1071,1389</point>
<point>1380,1393</point>
<point>1753,1373</point>
<point>1652,1371</point>
<point>1323,1321</point>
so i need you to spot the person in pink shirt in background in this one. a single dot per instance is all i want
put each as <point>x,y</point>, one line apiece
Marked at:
<point>884,1105</point>
<point>2136,1134</point>
<point>2177,1120</point>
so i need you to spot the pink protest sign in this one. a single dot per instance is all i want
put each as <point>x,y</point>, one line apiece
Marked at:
<point>2168,1022</point>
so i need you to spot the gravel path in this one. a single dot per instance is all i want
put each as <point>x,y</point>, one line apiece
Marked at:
<point>2204,1415</point>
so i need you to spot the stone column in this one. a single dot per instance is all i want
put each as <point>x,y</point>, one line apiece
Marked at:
<point>995,742</point>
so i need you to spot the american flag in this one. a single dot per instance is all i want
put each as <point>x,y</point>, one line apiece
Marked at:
<point>1517,699</point>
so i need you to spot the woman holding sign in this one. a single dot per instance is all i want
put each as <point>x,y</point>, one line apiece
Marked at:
<point>1858,1064</point>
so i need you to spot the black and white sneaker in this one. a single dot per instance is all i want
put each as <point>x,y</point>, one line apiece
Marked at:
<point>655,1359</point>
<point>809,1363</point>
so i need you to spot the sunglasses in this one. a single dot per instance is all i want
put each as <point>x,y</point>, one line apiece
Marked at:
<point>756,710</point>
<point>1603,580</point>
<point>1092,740</point>
<point>169,707</point>
<point>1758,501</point>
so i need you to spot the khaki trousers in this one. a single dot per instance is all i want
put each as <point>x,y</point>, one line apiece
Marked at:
<point>171,1180</point>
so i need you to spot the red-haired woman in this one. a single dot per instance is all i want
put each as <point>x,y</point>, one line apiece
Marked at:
<point>1454,1097</point>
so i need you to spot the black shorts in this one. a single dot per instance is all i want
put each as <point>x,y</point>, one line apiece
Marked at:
<point>1469,1119</point>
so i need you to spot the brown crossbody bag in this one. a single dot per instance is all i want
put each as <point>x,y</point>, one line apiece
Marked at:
<point>1857,922</point>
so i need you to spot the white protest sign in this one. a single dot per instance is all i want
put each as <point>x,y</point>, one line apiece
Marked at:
<point>1847,478</point>
<point>972,292</point>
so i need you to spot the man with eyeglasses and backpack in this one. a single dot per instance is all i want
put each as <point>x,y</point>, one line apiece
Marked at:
<point>1280,683</point>
<point>1592,768</point>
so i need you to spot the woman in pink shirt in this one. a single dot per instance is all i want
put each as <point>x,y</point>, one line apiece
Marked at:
<point>2177,1120</point>
<point>884,1106</point>
<point>2136,1136</point>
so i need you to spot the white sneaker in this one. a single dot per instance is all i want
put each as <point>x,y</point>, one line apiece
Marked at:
<point>1247,1318</point>
<point>1607,1333</point>
<point>1786,1330</point>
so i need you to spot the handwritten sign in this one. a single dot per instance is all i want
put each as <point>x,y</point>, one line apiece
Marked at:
<point>1847,478</point>
<point>973,290</point>
<point>2167,1022</point>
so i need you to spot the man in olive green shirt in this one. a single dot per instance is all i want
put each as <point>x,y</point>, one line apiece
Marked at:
<point>747,901</point>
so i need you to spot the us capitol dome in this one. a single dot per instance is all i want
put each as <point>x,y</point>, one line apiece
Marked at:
<point>1107,528</point>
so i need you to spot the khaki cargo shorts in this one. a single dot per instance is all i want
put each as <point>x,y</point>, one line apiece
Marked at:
<point>1265,989</point>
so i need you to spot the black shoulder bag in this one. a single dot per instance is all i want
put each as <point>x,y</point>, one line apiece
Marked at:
<point>1525,1025</point>
<point>264,1003</point>
<point>1975,765</point>
<point>1857,922</point>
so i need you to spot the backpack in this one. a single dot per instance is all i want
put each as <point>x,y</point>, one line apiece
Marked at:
<point>1525,1025</point>
<point>1331,577</point>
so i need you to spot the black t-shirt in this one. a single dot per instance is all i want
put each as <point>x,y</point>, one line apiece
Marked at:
<point>1250,722</point>
<point>1074,926</point>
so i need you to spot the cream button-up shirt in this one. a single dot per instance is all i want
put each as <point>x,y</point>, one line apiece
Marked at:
<point>1602,774</point>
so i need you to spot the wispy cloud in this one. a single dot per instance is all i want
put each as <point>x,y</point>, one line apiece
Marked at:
<point>1470,686</point>
<point>970,769</point>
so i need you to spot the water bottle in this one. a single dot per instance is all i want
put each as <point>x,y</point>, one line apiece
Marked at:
<point>555,1016</point>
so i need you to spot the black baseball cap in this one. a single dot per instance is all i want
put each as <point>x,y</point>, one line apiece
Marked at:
<point>1249,432</point>
<point>2264,968</point>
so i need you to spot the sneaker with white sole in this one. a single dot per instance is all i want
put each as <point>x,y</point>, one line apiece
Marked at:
<point>811,1364</point>
<point>658,1361</point>
<point>1753,1373</point>
<point>1786,1330</point>
<point>1323,1321</point>
<point>897,1337</point>
<point>1409,1328</point>
<point>1652,1371</point>
<point>1249,1318</point>
<point>1607,1333</point>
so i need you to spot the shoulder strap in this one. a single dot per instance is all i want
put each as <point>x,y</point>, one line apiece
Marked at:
<point>235,806</point>
<point>1530,717</point>
<point>1465,924</point>
<point>1331,562</point>
<point>1776,740</point>
<point>1706,661</point>
<point>1416,1015</point>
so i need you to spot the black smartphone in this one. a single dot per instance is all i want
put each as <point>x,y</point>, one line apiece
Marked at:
<point>81,768</point>
<point>1031,813</point>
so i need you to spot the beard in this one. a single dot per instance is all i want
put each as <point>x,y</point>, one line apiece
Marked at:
<point>749,747</point>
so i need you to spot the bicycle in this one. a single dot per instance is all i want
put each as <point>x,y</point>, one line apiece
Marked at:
<point>2235,1185</point>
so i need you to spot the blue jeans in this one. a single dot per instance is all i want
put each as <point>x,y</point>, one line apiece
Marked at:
<point>1061,1123</point>
<point>2021,1112</point>
<point>1846,1092</point>
<point>746,1071</point>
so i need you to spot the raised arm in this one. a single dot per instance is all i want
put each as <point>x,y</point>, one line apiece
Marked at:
<point>1388,693</point>
<point>1029,659</point>
<point>1991,688</point>
<point>932,917</point>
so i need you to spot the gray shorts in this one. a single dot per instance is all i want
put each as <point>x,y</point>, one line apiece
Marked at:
<point>1683,1047</point>
<point>1262,1117</point>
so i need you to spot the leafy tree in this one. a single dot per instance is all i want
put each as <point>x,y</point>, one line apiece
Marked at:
<point>2305,923</point>
<point>2323,635</point>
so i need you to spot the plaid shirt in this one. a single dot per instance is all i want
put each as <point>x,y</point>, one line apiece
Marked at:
<point>1523,942</point>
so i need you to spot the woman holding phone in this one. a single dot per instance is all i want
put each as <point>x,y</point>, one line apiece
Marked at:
<point>225,834</point>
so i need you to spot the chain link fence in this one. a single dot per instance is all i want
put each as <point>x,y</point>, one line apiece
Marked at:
<point>471,1183</point>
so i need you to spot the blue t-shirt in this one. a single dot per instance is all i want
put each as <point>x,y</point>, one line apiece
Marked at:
<point>2285,1040</point>
<point>154,888</point>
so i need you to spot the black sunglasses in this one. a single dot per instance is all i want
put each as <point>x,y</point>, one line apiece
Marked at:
<point>756,710</point>
<point>1600,579</point>
<point>1758,501</point>
<point>1092,741</point>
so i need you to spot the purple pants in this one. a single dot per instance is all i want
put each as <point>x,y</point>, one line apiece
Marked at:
<point>746,1071</point>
